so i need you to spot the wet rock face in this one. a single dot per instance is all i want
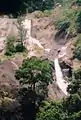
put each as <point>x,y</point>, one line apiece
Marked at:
<point>66,72</point>
<point>61,37</point>
<point>66,69</point>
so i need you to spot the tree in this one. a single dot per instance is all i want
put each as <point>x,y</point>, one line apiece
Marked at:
<point>76,116</point>
<point>9,106</point>
<point>67,109</point>
<point>78,2</point>
<point>35,71</point>
<point>35,74</point>
<point>10,49</point>
<point>75,85</point>
<point>22,35</point>
<point>26,99</point>
<point>18,7</point>
<point>78,22</point>
<point>73,102</point>
<point>22,31</point>
<point>77,52</point>
<point>78,48</point>
<point>51,111</point>
<point>63,25</point>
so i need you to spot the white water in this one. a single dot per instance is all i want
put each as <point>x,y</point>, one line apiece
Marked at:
<point>30,41</point>
<point>16,66</point>
<point>28,26</point>
<point>59,77</point>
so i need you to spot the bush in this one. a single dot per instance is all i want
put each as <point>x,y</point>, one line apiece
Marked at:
<point>19,48</point>
<point>63,25</point>
<point>10,49</point>
<point>78,52</point>
<point>78,22</point>
<point>78,2</point>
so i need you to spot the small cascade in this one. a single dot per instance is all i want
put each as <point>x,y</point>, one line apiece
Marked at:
<point>31,43</point>
<point>28,26</point>
<point>59,77</point>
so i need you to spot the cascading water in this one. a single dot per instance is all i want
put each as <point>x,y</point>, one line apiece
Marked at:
<point>59,77</point>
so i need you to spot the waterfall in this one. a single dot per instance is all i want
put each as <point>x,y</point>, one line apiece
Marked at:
<point>59,77</point>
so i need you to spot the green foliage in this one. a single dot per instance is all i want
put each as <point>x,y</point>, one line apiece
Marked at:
<point>35,70</point>
<point>45,13</point>
<point>76,116</point>
<point>18,7</point>
<point>74,100</point>
<point>51,111</point>
<point>60,1</point>
<point>78,2</point>
<point>9,107</point>
<point>63,25</point>
<point>78,22</point>
<point>19,48</point>
<point>10,49</point>
<point>73,104</point>
<point>75,86</point>
<point>77,74</point>
<point>69,108</point>
<point>77,52</point>
<point>67,14</point>
<point>35,74</point>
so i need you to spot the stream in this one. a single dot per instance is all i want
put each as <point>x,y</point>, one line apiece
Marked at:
<point>59,76</point>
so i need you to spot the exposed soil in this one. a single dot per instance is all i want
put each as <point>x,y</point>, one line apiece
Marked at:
<point>55,92</point>
<point>43,30</point>
<point>7,79</point>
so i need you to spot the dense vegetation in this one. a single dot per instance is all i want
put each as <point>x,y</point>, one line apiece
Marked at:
<point>11,48</point>
<point>36,73</point>
<point>16,7</point>
<point>22,103</point>
<point>29,101</point>
<point>77,51</point>
<point>78,22</point>
<point>68,109</point>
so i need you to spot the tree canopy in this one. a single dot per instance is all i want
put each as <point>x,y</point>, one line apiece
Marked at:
<point>35,70</point>
<point>16,7</point>
<point>67,109</point>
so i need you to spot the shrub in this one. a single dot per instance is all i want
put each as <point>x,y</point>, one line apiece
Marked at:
<point>10,46</point>
<point>78,2</point>
<point>78,22</point>
<point>19,48</point>
<point>78,52</point>
<point>63,25</point>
